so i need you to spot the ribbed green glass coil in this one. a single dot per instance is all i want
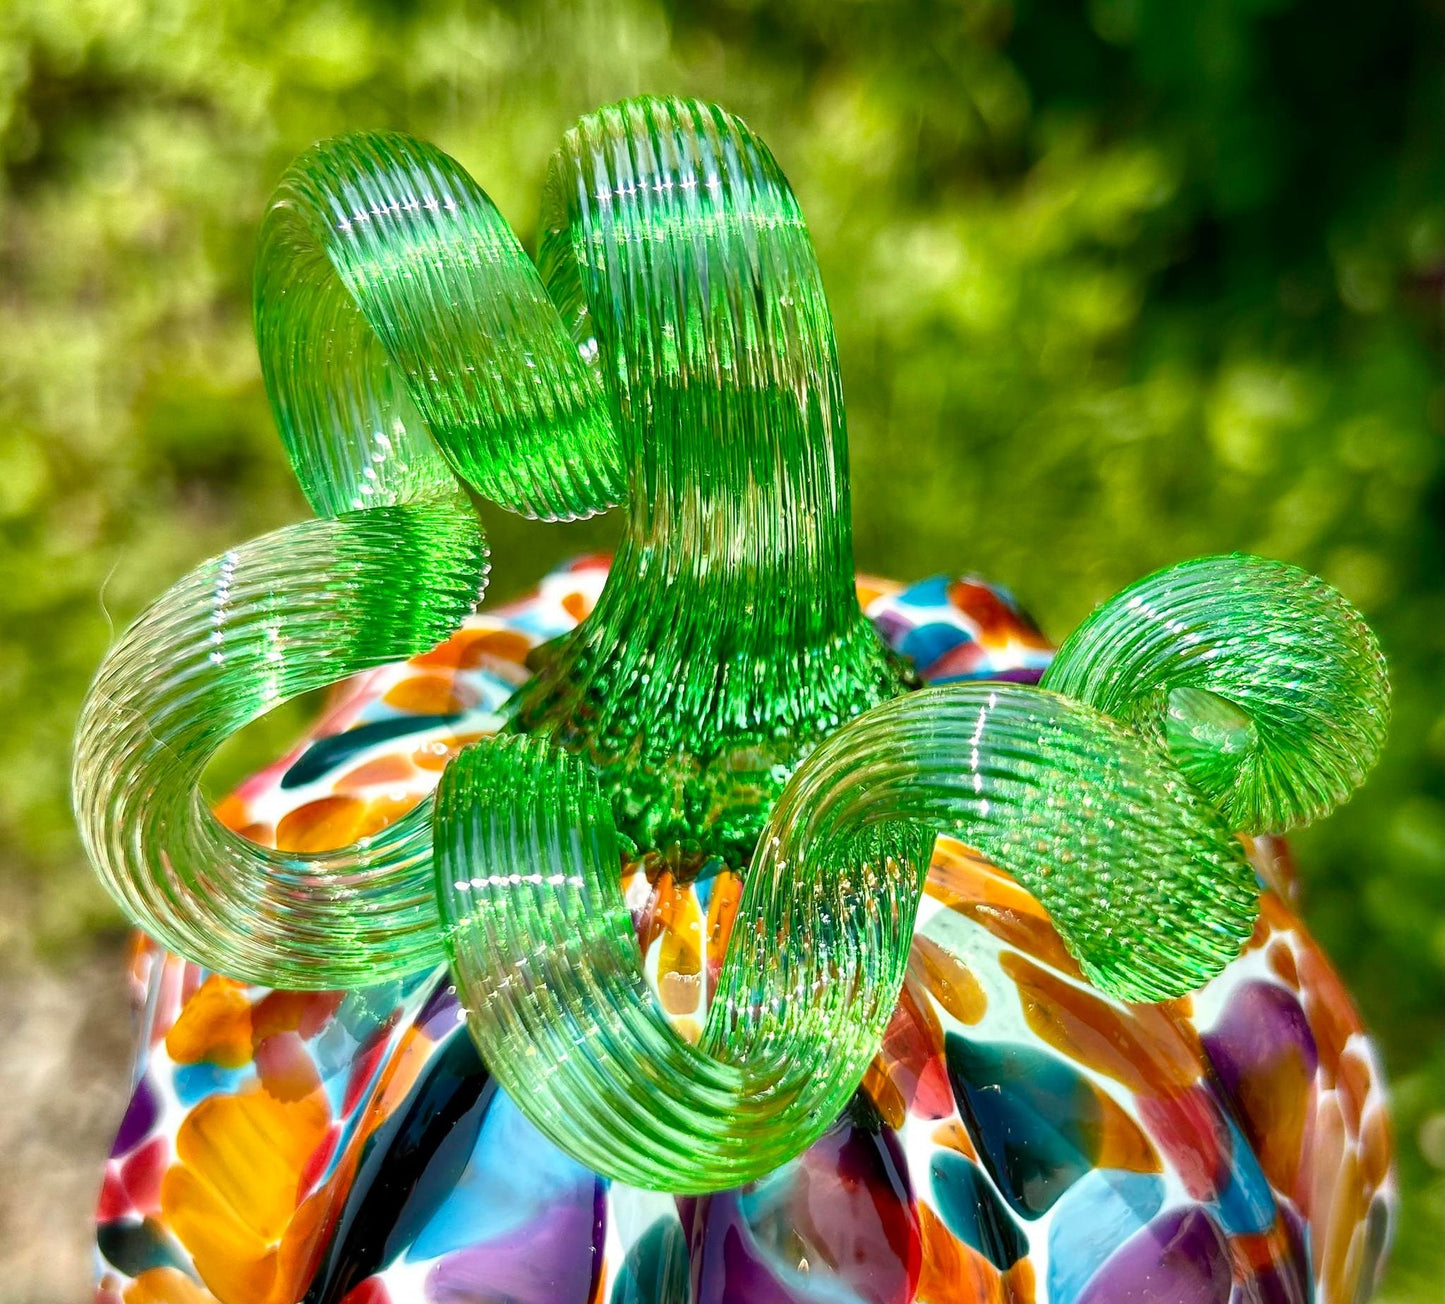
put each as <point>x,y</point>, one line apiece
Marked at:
<point>1266,685</point>
<point>1142,879</point>
<point>289,612</point>
<point>403,328</point>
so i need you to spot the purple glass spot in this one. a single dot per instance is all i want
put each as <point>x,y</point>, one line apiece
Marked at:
<point>1017,675</point>
<point>1179,1258</point>
<point>1262,1023</point>
<point>552,1259</point>
<point>728,1265</point>
<point>892,627</point>
<point>439,1015</point>
<point>140,1117</point>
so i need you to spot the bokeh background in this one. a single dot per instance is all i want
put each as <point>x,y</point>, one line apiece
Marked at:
<point>1116,283</point>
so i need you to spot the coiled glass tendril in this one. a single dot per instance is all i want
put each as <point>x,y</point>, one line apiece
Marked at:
<point>727,696</point>
<point>1095,823</point>
<point>1266,686</point>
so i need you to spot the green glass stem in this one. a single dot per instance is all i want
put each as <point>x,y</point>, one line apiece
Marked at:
<point>728,639</point>
<point>1144,882</point>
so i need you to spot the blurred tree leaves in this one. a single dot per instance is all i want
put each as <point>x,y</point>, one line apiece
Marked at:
<point>1116,283</point>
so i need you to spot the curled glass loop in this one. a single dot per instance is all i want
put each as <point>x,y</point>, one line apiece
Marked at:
<point>236,637</point>
<point>396,314</point>
<point>1265,683</point>
<point>403,334</point>
<point>1144,882</point>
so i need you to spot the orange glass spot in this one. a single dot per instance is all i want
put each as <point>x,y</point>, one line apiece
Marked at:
<point>996,622</point>
<point>1342,1231</point>
<point>428,695</point>
<point>884,1094</point>
<point>661,909</point>
<point>722,910</point>
<point>232,1196</point>
<point>949,982</point>
<point>1281,962</point>
<point>871,588</point>
<point>1377,1146</point>
<point>953,1273</point>
<point>447,655</point>
<point>1275,1105</point>
<point>1327,1007</point>
<point>499,645</point>
<point>262,832</point>
<point>952,1135</point>
<point>1141,1046</point>
<point>333,822</point>
<point>213,1026</point>
<point>391,769</point>
<point>469,648</point>
<point>165,1286</point>
<point>968,884</point>
<point>436,754</point>
<point>248,1149</point>
<point>1122,1144</point>
<point>1353,1080</point>
<point>1019,1284</point>
<point>321,825</point>
<point>232,811</point>
<point>303,1012</point>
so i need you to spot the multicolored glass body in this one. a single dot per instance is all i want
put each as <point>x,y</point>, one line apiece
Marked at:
<point>1020,1136</point>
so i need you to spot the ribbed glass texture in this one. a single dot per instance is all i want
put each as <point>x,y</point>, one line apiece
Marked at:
<point>726,697</point>
<point>396,315</point>
<point>728,640</point>
<point>1144,882</point>
<point>289,612</point>
<point>1267,686</point>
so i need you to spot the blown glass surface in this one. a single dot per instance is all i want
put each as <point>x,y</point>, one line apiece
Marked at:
<point>1018,1136</point>
<point>725,702</point>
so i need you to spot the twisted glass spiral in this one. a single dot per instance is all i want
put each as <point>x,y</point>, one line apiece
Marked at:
<point>671,351</point>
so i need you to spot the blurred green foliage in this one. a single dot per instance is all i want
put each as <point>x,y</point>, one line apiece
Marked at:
<point>1116,283</point>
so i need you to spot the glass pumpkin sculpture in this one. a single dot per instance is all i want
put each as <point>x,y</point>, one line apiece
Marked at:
<point>712,924</point>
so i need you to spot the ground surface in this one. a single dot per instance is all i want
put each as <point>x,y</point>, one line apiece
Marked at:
<point>66,1038</point>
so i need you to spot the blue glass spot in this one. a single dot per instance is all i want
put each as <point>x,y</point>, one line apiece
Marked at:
<point>932,592</point>
<point>194,1082</point>
<point>924,645</point>
<point>973,1212</point>
<point>327,753</point>
<point>1035,1120</point>
<point>1246,1205</point>
<point>136,1247</point>
<point>514,1175</point>
<point>1092,1220</point>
